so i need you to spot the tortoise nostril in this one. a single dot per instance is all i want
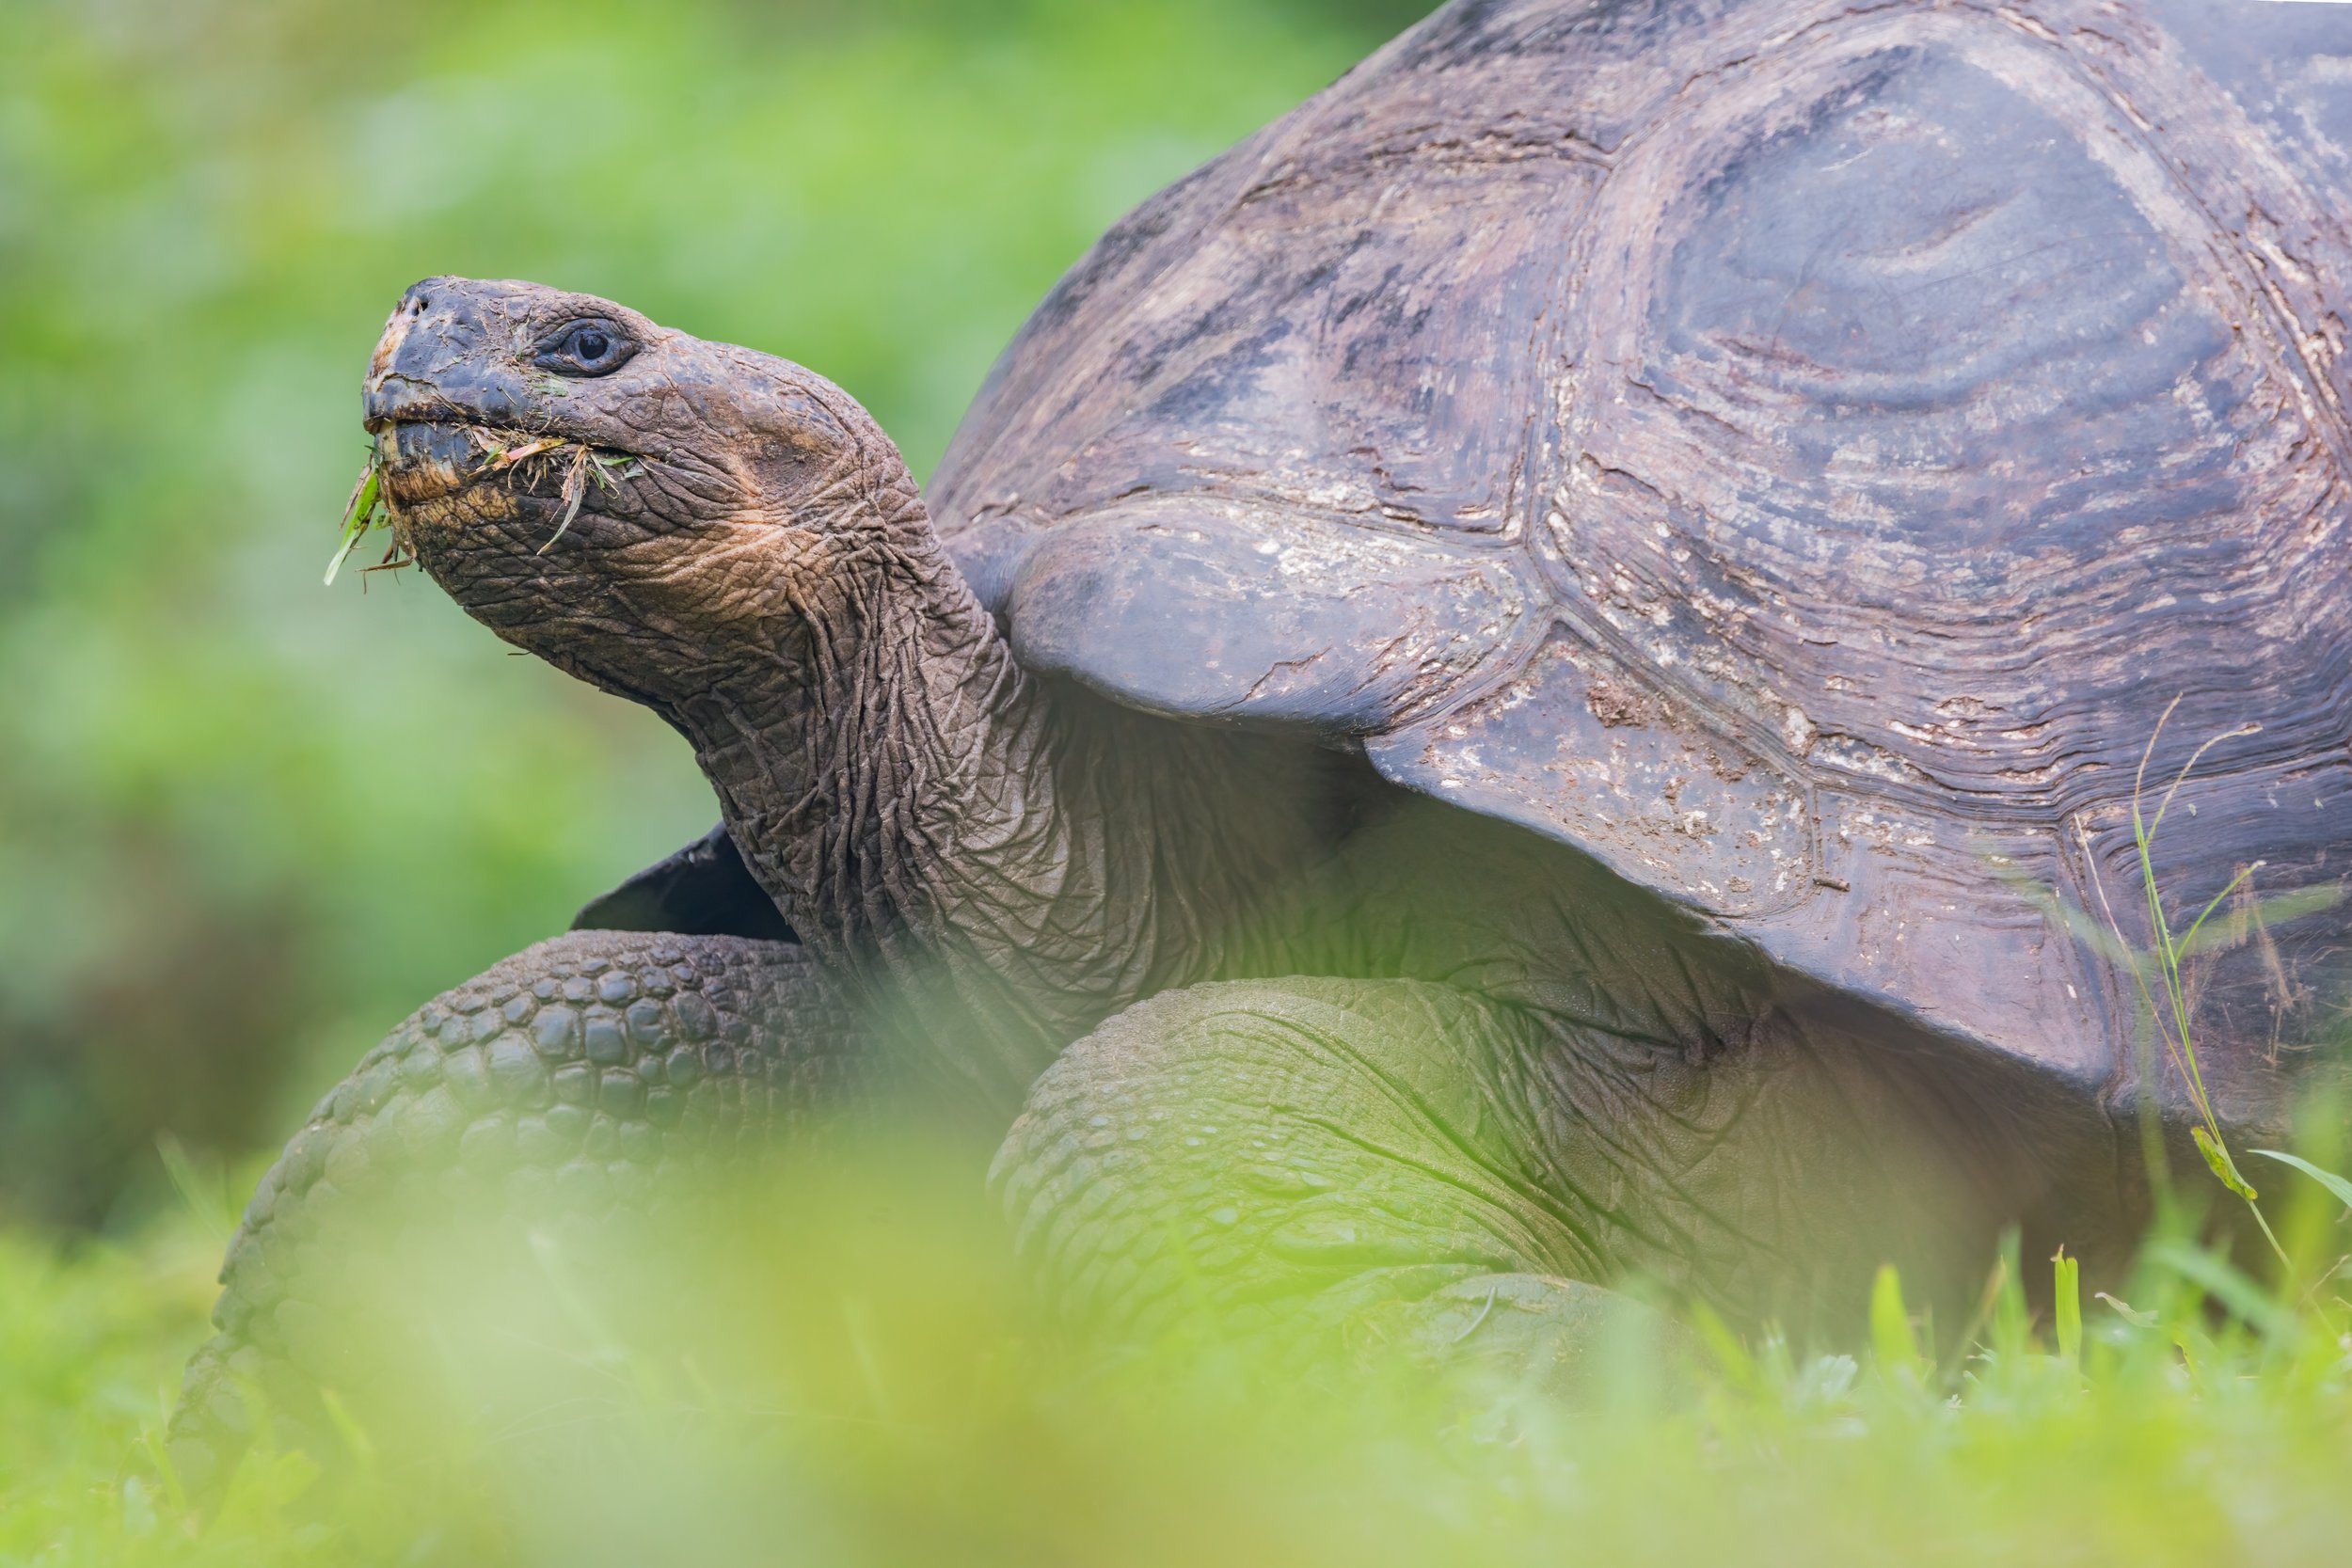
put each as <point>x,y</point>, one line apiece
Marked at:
<point>419,306</point>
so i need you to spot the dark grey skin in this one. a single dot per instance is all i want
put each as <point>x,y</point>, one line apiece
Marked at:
<point>1516,673</point>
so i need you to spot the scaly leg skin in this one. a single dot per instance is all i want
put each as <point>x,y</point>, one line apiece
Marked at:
<point>575,1077</point>
<point>1326,1165</point>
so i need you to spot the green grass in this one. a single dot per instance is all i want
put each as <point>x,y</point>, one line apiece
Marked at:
<point>849,1373</point>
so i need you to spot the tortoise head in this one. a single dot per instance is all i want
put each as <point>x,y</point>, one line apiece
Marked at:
<point>618,498</point>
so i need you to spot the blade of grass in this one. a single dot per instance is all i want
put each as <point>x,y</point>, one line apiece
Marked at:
<point>2327,1179</point>
<point>1891,1334</point>
<point>575,491</point>
<point>2226,1284</point>
<point>202,1189</point>
<point>2012,1319</point>
<point>2275,909</point>
<point>2183,946</point>
<point>1731,1357</point>
<point>2067,1281</point>
<point>359,513</point>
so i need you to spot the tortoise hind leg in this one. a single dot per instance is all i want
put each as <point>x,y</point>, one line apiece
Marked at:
<point>576,1076</point>
<point>1350,1162</point>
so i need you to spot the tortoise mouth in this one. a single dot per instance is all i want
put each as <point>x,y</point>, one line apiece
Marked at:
<point>455,472</point>
<point>427,459</point>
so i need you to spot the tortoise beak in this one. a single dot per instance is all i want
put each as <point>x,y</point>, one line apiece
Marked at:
<point>385,386</point>
<point>432,374</point>
<point>441,359</point>
<point>426,460</point>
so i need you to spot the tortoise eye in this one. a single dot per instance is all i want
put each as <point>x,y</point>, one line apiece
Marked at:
<point>586,348</point>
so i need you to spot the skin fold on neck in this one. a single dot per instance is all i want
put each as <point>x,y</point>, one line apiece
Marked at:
<point>1008,860</point>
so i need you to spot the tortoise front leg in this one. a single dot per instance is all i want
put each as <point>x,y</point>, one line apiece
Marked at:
<point>1357,1164</point>
<point>577,1076</point>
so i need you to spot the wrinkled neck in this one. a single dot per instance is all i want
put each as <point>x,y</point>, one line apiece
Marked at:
<point>887,769</point>
<point>995,864</point>
<point>873,751</point>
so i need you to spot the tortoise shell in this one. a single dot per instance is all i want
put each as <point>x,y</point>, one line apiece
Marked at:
<point>1793,453</point>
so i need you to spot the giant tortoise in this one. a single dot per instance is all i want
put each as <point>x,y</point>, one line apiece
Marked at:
<point>1538,676</point>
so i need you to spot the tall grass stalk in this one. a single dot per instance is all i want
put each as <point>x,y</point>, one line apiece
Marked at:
<point>2167,954</point>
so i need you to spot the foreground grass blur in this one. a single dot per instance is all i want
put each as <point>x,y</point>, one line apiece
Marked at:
<point>844,1370</point>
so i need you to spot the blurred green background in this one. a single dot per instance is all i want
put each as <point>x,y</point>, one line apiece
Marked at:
<point>246,822</point>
